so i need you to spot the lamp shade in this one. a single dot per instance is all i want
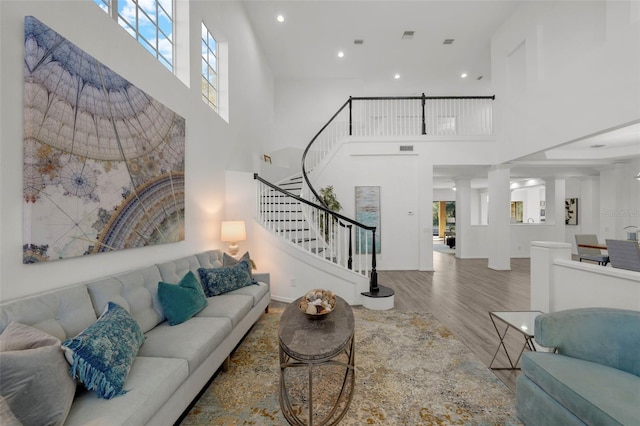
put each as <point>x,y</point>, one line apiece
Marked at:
<point>233,231</point>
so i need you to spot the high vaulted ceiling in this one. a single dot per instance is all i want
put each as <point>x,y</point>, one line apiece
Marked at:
<point>306,44</point>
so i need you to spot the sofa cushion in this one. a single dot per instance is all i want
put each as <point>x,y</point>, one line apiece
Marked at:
<point>152,381</point>
<point>61,313</point>
<point>193,340</point>
<point>37,388</point>
<point>217,281</point>
<point>174,270</point>
<point>602,335</point>
<point>101,355</point>
<point>255,291</point>
<point>210,259</point>
<point>232,306</point>
<point>595,393</point>
<point>535,407</point>
<point>136,291</point>
<point>183,300</point>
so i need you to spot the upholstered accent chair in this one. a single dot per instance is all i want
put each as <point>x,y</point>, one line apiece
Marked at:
<point>589,253</point>
<point>624,254</point>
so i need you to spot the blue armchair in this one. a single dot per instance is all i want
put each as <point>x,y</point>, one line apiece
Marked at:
<point>594,376</point>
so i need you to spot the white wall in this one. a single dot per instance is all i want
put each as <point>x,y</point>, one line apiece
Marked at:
<point>405,181</point>
<point>580,59</point>
<point>619,200</point>
<point>212,145</point>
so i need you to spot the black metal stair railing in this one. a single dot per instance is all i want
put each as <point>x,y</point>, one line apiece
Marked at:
<point>313,227</point>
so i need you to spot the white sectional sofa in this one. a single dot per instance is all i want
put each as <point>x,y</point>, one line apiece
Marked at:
<point>174,363</point>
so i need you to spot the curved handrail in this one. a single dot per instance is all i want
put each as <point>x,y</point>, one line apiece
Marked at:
<point>309,203</point>
<point>306,151</point>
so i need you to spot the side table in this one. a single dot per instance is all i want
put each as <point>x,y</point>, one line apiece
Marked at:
<point>315,344</point>
<point>521,321</point>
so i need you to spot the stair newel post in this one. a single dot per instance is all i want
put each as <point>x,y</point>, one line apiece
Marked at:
<point>350,118</point>
<point>424,123</point>
<point>350,259</point>
<point>373,283</point>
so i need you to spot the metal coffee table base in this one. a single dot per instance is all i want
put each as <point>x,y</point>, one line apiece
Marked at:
<point>344,397</point>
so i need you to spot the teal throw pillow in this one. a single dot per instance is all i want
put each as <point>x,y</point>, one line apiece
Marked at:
<point>183,300</point>
<point>228,278</point>
<point>102,354</point>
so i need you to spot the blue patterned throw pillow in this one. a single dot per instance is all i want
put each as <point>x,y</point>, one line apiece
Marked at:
<point>183,300</point>
<point>228,260</point>
<point>102,354</point>
<point>228,278</point>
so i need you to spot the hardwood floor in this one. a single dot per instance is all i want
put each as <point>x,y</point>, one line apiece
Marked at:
<point>460,294</point>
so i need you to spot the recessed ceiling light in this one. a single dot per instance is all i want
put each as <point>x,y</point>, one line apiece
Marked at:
<point>463,75</point>
<point>448,41</point>
<point>397,76</point>
<point>280,18</point>
<point>340,54</point>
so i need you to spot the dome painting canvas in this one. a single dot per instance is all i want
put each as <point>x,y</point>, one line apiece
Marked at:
<point>103,161</point>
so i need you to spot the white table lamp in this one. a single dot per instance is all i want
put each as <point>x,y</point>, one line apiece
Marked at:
<point>232,232</point>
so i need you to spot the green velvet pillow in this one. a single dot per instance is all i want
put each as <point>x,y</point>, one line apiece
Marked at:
<point>183,300</point>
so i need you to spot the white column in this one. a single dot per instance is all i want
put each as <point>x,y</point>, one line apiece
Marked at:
<point>499,246</point>
<point>542,255</point>
<point>463,215</point>
<point>425,194</point>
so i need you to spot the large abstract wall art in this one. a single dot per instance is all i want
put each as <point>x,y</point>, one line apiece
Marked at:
<point>368,213</point>
<point>103,161</point>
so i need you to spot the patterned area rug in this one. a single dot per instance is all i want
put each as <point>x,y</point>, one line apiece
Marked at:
<point>410,370</point>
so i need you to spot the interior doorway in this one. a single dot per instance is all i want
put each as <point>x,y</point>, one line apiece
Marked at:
<point>444,225</point>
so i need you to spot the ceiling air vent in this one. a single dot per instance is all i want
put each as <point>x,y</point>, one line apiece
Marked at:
<point>448,41</point>
<point>408,35</point>
<point>358,41</point>
<point>404,148</point>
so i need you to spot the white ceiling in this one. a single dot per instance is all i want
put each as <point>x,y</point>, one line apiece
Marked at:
<point>306,46</point>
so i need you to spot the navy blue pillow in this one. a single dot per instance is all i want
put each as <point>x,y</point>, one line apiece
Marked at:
<point>183,300</point>
<point>217,281</point>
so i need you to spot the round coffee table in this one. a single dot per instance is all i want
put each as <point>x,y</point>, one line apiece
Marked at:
<point>316,344</point>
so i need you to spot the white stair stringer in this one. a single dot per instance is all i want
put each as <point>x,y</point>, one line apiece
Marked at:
<point>306,271</point>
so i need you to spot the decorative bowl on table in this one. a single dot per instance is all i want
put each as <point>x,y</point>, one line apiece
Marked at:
<point>318,303</point>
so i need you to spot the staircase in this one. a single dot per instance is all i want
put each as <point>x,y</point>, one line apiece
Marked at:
<point>284,213</point>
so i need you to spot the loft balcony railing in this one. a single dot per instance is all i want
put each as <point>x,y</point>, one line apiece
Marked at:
<point>402,116</point>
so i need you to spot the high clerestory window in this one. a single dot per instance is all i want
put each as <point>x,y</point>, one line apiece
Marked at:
<point>209,69</point>
<point>148,21</point>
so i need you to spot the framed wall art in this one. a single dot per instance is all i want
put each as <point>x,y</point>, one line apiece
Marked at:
<point>571,211</point>
<point>103,161</point>
<point>368,213</point>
